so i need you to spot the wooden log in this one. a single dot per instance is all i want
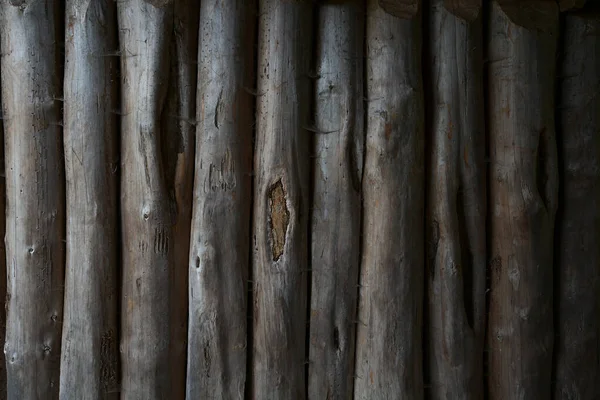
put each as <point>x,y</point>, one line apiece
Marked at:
<point>147,208</point>
<point>577,300</point>
<point>335,217</point>
<point>219,256</point>
<point>282,166</point>
<point>388,344</point>
<point>523,199</point>
<point>178,152</point>
<point>31,90</point>
<point>90,332</point>
<point>2,265</point>
<point>456,207</point>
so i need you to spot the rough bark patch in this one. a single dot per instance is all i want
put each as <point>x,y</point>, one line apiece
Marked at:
<point>406,9</point>
<point>530,14</point>
<point>465,9</point>
<point>279,218</point>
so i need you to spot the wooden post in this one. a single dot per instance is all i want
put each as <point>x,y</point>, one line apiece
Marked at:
<point>578,257</point>
<point>523,197</point>
<point>178,145</point>
<point>335,217</point>
<point>456,206</point>
<point>219,256</point>
<point>148,211</point>
<point>2,264</point>
<point>388,344</point>
<point>282,165</point>
<point>90,333</point>
<point>31,92</point>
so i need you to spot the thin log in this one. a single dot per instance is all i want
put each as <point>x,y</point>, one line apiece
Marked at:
<point>31,89</point>
<point>90,332</point>
<point>577,299</point>
<point>178,143</point>
<point>456,207</point>
<point>523,200</point>
<point>2,266</point>
<point>282,165</point>
<point>219,256</point>
<point>335,218</point>
<point>388,344</point>
<point>147,209</point>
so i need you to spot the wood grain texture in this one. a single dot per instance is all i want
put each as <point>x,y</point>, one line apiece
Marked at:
<point>178,145</point>
<point>147,209</point>
<point>456,208</point>
<point>388,344</point>
<point>2,265</point>
<point>31,89</point>
<point>577,300</point>
<point>219,257</point>
<point>89,361</point>
<point>282,165</point>
<point>335,217</point>
<point>523,201</point>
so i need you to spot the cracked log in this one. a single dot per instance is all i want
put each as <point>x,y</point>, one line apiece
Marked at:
<point>335,217</point>
<point>282,165</point>
<point>523,199</point>
<point>31,89</point>
<point>219,256</point>
<point>388,343</point>
<point>90,334</point>
<point>456,207</point>
<point>577,365</point>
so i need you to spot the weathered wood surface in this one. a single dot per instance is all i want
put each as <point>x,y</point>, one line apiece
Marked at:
<point>522,200</point>
<point>31,90</point>
<point>219,257</point>
<point>577,365</point>
<point>456,207</point>
<point>280,225</point>
<point>2,267</point>
<point>178,145</point>
<point>147,207</point>
<point>336,203</point>
<point>388,344</point>
<point>90,355</point>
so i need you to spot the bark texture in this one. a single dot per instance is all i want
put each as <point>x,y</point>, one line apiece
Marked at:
<point>147,207</point>
<point>219,256</point>
<point>456,208</point>
<point>282,166</point>
<point>2,266</point>
<point>90,333</point>
<point>178,147</point>
<point>523,201</point>
<point>31,89</point>
<point>577,350</point>
<point>335,217</point>
<point>388,348</point>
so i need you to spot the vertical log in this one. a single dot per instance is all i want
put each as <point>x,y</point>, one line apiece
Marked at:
<point>178,147</point>
<point>578,231</point>
<point>388,344</point>
<point>218,260</point>
<point>456,206</point>
<point>2,265</point>
<point>280,258</point>
<point>90,348</point>
<point>523,197</point>
<point>31,88</point>
<point>147,208</point>
<point>335,218</point>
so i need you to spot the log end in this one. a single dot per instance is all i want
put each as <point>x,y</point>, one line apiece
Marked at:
<point>405,9</point>
<point>465,9</point>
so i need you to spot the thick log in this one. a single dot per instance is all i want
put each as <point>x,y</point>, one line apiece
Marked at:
<point>147,207</point>
<point>219,256</point>
<point>456,208</point>
<point>178,152</point>
<point>335,217</point>
<point>282,164</point>
<point>31,90</point>
<point>577,300</point>
<point>90,333</point>
<point>388,344</point>
<point>35,198</point>
<point>523,201</point>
